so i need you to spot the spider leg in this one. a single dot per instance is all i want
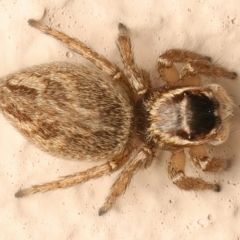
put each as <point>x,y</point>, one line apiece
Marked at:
<point>202,161</point>
<point>196,64</point>
<point>176,173</point>
<point>137,161</point>
<point>207,68</point>
<point>74,179</point>
<point>136,77</point>
<point>76,45</point>
<point>167,69</point>
<point>179,55</point>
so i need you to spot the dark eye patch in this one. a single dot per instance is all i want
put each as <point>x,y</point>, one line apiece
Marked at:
<point>202,118</point>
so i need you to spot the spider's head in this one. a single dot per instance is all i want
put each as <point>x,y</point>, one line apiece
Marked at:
<point>188,116</point>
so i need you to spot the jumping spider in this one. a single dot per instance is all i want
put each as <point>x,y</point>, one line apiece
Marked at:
<point>77,112</point>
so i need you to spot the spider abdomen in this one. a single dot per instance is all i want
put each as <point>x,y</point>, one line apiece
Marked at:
<point>69,110</point>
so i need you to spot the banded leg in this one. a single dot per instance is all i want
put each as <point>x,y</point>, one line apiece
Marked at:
<point>137,77</point>
<point>74,179</point>
<point>176,173</point>
<point>137,161</point>
<point>202,161</point>
<point>194,67</point>
<point>169,72</point>
<point>76,45</point>
<point>189,75</point>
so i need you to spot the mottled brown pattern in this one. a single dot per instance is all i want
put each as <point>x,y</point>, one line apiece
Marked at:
<point>77,112</point>
<point>21,90</point>
<point>16,113</point>
<point>47,130</point>
<point>75,102</point>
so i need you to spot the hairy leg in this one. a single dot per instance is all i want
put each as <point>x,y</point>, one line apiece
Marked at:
<point>176,173</point>
<point>189,75</point>
<point>74,179</point>
<point>76,45</point>
<point>169,72</point>
<point>180,55</point>
<point>194,67</point>
<point>136,77</point>
<point>202,161</point>
<point>137,161</point>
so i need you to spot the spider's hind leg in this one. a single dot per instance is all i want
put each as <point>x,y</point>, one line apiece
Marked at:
<point>79,47</point>
<point>76,178</point>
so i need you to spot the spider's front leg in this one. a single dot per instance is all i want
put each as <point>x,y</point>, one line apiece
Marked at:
<point>168,70</point>
<point>176,173</point>
<point>189,75</point>
<point>207,68</point>
<point>202,161</point>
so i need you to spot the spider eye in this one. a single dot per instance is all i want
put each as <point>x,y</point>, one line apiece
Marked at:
<point>190,137</point>
<point>185,135</point>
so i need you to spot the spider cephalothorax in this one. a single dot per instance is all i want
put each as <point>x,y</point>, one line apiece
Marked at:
<point>183,116</point>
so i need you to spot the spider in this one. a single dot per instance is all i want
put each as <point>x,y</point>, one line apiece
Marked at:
<point>104,113</point>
